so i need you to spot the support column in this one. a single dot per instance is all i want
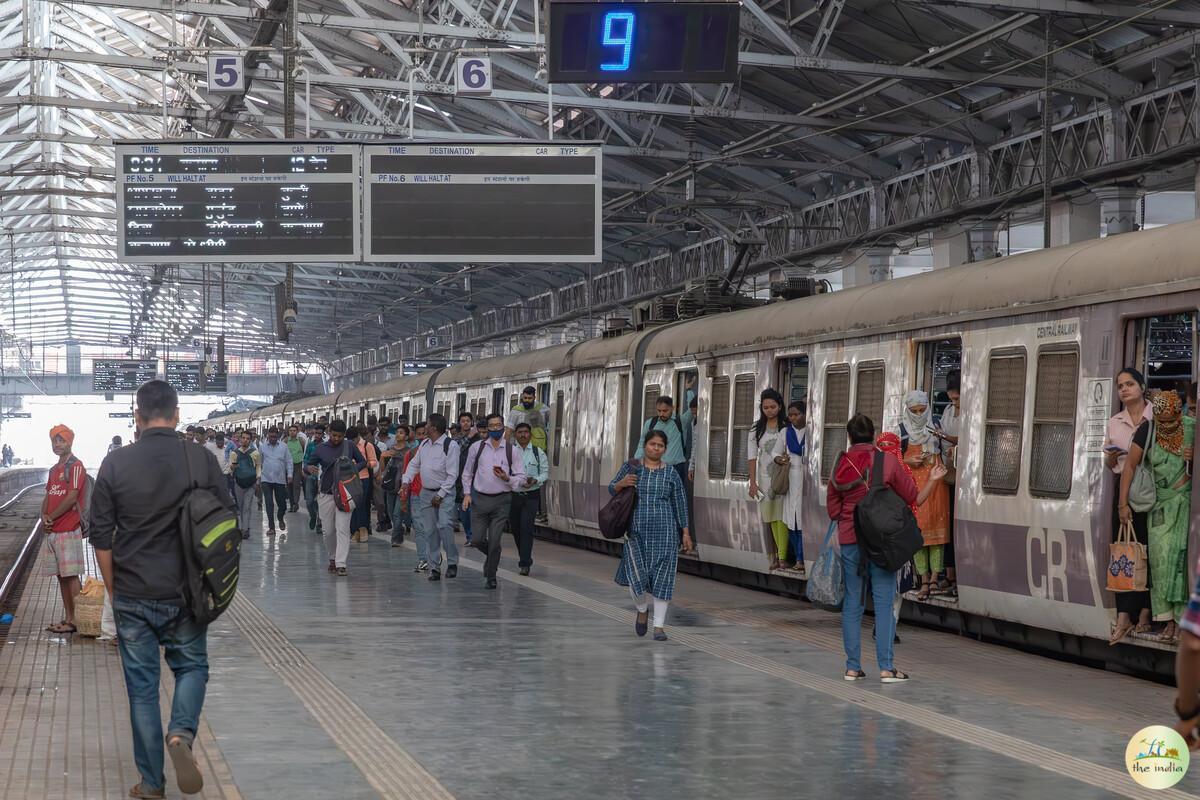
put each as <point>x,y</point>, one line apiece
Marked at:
<point>866,266</point>
<point>950,246</point>
<point>1118,209</point>
<point>984,239</point>
<point>1197,187</point>
<point>1076,219</point>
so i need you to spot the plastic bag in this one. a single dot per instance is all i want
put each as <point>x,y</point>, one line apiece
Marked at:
<point>826,587</point>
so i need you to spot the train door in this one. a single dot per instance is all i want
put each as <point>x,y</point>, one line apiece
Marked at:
<point>937,360</point>
<point>687,398</point>
<point>560,498</point>
<point>498,401</point>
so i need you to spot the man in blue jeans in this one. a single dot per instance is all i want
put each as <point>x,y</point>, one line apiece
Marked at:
<point>847,486</point>
<point>143,571</point>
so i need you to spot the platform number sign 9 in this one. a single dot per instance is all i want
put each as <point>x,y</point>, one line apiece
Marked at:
<point>226,73</point>
<point>473,75</point>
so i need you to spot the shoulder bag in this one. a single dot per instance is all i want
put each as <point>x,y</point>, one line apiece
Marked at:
<point>616,517</point>
<point>1142,492</point>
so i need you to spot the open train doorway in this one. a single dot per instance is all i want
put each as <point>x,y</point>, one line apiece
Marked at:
<point>687,406</point>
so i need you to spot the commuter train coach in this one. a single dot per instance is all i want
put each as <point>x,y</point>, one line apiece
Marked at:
<point>1038,337</point>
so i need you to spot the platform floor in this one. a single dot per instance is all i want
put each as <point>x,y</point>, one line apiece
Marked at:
<point>383,684</point>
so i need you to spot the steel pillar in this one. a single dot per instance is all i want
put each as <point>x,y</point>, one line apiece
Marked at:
<point>951,246</point>
<point>1118,208</point>
<point>1074,219</point>
<point>866,266</point>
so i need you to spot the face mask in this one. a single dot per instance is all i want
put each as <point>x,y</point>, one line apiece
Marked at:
<point>528,405</point>
<point>495,434</point>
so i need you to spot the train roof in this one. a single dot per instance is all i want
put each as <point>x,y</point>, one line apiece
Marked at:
<point>407,384</point>
<point>309,403</point>
<point>599,353</point>
<point>1132,264</point>
<point>528,363</point>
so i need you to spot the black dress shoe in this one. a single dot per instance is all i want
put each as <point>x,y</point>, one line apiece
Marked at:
<point>524,570</point>
<point>452,571</point>
<point>434,575</point>
<point>490,583</point>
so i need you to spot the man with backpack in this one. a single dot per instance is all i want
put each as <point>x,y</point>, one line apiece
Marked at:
<point>493,472</point>
<point>679,436</point>
<point>526,500</point>
<point>139,491</point>
<point>245,465</point>
<point>869,511</point>
<point>62,522</point>
<point>337,463</point>
<point>468,435</point>
<point>436,462</point>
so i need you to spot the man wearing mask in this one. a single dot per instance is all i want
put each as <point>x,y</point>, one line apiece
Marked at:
<point>533,413</point>
<point>297,442</point>
<point>494,471</point>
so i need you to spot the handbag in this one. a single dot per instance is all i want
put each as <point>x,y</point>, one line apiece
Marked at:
<point>1127,563</point>
<point>780,479</point>
<point>1142,492</point>
<point>826,586</point>
<point>616,517</point>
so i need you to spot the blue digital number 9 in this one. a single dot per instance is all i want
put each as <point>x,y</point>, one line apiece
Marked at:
<point>624,40</point>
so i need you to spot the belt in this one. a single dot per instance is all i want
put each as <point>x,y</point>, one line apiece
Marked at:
<point>487,494</point>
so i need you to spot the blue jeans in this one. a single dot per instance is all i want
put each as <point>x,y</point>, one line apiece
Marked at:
<point>796,540</point>
<point>883,592</point>
<point>400,518</point>
<point>435,529</point>
<point>143,625</point>
<point>464,517</point>
<point>310,496</point>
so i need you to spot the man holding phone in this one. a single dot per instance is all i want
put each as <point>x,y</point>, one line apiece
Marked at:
<point>492,473</point>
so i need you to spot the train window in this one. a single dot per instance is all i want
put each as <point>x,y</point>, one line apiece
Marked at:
<point>1052,460</point>
<point>649,397</point>
<point>383,412</point>
<point>462,403</point>
<point>558,428</point>
<point>793,377</point>
<point>512,401</point>
<point>837,414</point>
<point>1166,350</point>
<point>474,408</point>
<point>868,394</point>
<point>405,407</point>
<point>544,393</point>
<point>718,429</point>
<point>497,401</point>
<point>1003,422</point>
<point>621,440</point>
<point>744,409</point>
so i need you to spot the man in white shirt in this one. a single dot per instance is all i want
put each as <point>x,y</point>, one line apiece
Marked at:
<point>526,501</point>
<point>436,461</point>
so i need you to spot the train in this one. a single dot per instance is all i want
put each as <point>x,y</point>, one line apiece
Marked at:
<point>1037,337</point>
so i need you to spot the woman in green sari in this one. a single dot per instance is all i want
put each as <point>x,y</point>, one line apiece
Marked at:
<point>1170,457</point>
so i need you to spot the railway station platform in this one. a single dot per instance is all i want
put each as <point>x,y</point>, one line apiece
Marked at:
<point>384,685</point>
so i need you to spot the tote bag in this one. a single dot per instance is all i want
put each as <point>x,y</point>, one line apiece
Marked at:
<point>826,587</point>
<point>1127,564</point>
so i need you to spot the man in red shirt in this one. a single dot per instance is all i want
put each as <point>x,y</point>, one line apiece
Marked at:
<point>847,486</point>
<point>62,523</point>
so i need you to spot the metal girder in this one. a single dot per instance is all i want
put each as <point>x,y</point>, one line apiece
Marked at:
<point>1075,8</point>
<point>270,20</point>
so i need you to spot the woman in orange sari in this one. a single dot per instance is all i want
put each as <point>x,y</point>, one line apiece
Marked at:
<point>922,453</point>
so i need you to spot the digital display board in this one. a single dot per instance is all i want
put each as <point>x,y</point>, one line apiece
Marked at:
<point>122,376</point>
<point>188,378</point>
<point>483,202</point>
<point>215,201</point>
<point>591,42</point>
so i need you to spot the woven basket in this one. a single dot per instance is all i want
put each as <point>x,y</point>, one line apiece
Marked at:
<point>87,616</point>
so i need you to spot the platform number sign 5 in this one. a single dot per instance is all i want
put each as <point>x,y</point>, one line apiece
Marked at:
<point>473,74</point>
<point>226,73</point>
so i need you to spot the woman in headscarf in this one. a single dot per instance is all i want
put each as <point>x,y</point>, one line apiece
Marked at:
<point>1170,455</point>
<point>922,452</point>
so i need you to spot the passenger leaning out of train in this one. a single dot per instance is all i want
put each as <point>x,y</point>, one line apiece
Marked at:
<point>847,486</point>
<point>790,450</point>
<point>922,451</point>
<point>762,439</point>
<point>947,429</point>
<point>1167,445</point>
<point>1131,391</point>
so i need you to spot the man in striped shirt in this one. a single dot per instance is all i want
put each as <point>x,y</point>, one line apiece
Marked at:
<point>63,525</point>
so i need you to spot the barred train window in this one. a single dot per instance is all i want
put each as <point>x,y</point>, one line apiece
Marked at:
<point>837,414</point>
<point>1003,422</point>
<point>1052,460</point>
<point>868,396</point>
<point>745,412</point>
<point>718,429</point>
<point>650,396</point>
<point>558,427</point>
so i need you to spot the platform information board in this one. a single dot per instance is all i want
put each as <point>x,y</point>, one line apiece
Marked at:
<point>122,376</point>
<point>223,202</point>
<point>185,376</point>
<point>482,202</point>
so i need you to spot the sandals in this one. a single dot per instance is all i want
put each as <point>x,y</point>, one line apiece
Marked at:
<point>924,591</point>
<point>775,564</point>
<point>893,676</point>
<point>62,627</point>
<point>1143,627</point>
<point>854,675</point>
<point>1119,633</point>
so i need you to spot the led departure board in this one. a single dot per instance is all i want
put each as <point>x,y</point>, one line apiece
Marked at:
<point>214,201</point>
<point>188,378</point>
<point>122,376</point>
<point>652,42</point>
<point>483,202</point>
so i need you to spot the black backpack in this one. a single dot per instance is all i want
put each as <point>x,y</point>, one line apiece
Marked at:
<point>211,545</point>
<point>884,524</point>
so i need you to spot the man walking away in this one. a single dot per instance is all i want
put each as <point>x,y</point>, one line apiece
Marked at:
<point>296,444</point>
<point>115,445</point>
<point>139,491</point>
<point>436,462</point>
<point>276,471</point>
<point>62,523</point>
<point>245,465</point>
<point>493,472</point>
<point>334,521</point>
<point>526,500</point>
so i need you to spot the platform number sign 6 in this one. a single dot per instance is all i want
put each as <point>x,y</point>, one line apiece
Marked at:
<point>474,75</point>
<point>226,73</point>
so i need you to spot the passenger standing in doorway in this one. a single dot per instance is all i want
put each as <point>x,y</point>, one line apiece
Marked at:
<point>533,413</point>
<point>297,443</point>
<point>790,451</point>
<point>245,464</point>
<point>334,522</point>
<point>63,525</point>
<point>436,462</point>
<point>1131,391</point>
<point>922,453</point>
<point>762,440</point>
<point>678,432</point>
<point>468,435</point>
<point>848,485</point>
<point>526,500</point>
<point>1170,457</point>
<point>651,553</point>
<point>493,472</point>
<point>276,470</point>
<point>947,429</point>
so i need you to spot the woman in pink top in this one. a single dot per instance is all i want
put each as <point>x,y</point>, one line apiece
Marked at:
<point>1131,390</point>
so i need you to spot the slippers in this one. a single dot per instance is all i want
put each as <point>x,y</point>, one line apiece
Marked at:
<point>1119,633</point>
<point>62,627</point>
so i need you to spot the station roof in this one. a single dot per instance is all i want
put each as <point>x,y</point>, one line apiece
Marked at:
<point>830,94</point>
